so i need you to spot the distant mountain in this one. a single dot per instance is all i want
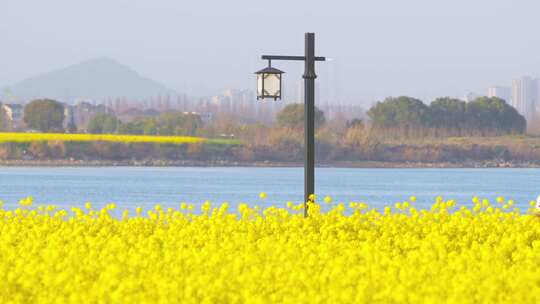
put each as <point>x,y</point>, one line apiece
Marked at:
<point>96,79</point>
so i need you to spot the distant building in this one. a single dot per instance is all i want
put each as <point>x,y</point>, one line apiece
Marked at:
<point>82,112</point>
<point>133,114</point>
<point>240,103</point>
<point>14,114</point>
<point>504,93</point>
<point>222,103</point>
<point>525,96</point>
<point>69,119</point>
<point>470,96</point>
<point>205,117</point>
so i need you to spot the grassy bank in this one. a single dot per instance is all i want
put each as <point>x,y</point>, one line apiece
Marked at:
<point>497,151</point>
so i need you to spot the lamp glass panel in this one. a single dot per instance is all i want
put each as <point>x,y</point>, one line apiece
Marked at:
<point>259,85</point>
<point>272,84</point>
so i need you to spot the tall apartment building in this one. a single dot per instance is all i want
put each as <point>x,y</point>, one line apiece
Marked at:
<point>525,96</point>
<point>504,93</point>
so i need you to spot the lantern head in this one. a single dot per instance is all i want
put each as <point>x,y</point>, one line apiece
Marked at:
<point>269,83</point>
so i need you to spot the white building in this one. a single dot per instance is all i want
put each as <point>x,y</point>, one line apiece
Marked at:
<point>525,96</point>
<point>14,114</point>
<point>81,113</point>
<point>504,93</point>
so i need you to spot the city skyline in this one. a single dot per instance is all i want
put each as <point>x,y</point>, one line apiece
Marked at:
<point>523,94</point>
<point>292,91</point>
<point>389,48</point>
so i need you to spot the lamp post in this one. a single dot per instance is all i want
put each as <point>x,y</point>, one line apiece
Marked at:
<point>269,86</point>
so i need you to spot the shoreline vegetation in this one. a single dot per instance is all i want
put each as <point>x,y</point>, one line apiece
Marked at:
<point>400,132</point>
<point>47,149</point>
<point>264,164</point>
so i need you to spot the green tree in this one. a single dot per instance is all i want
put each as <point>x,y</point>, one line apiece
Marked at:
<point>493,115</point>
<point>150,127</point>
<point>165,124</point>
<point>400,111</point>
<point>447,112</point>
<point>45,115</point>
<point>103,123</point>
<point>355,122</point>
<point>178,124</point>
<point>134,127</point>
<point>293,116</point>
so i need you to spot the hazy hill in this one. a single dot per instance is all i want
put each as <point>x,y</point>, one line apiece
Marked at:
<point>95,79</point>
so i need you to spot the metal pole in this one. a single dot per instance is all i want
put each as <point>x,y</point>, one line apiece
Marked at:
<point>309,112</point>
<point>309,115</point>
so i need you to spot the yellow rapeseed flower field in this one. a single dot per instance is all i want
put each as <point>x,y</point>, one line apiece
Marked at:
<point>482,253</point>
<point>31,137</point>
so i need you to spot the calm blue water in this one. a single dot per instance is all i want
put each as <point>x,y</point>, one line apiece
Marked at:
<point>136,186</point>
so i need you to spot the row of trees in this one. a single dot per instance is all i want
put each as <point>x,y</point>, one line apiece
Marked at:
<point>336,139</point>
<point>48,115</point>
<point>43,114</point>
<point>292,116</point>
<point>164,124</point>
<point>483,116</point>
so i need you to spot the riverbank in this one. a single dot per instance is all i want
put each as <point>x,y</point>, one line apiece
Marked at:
<point>222,163</point>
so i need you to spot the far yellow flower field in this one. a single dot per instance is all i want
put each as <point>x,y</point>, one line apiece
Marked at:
<point>31,137</point>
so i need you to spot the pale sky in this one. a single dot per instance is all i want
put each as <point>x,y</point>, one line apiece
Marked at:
<point>422,48</point>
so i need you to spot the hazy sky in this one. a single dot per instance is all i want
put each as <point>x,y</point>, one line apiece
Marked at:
<point>423,48</point>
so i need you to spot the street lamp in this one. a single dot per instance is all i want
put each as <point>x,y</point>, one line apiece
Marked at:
<point>269,82</point>
<point>270,87</point>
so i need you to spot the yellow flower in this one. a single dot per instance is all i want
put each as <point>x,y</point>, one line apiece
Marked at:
<point>205,207</point>
<point>262,195</point>
<point>39,137</point>
<point>327,199</point>
<point>26,202</point>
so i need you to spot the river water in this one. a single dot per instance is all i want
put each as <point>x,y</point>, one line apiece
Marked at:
<point>145,186</point>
